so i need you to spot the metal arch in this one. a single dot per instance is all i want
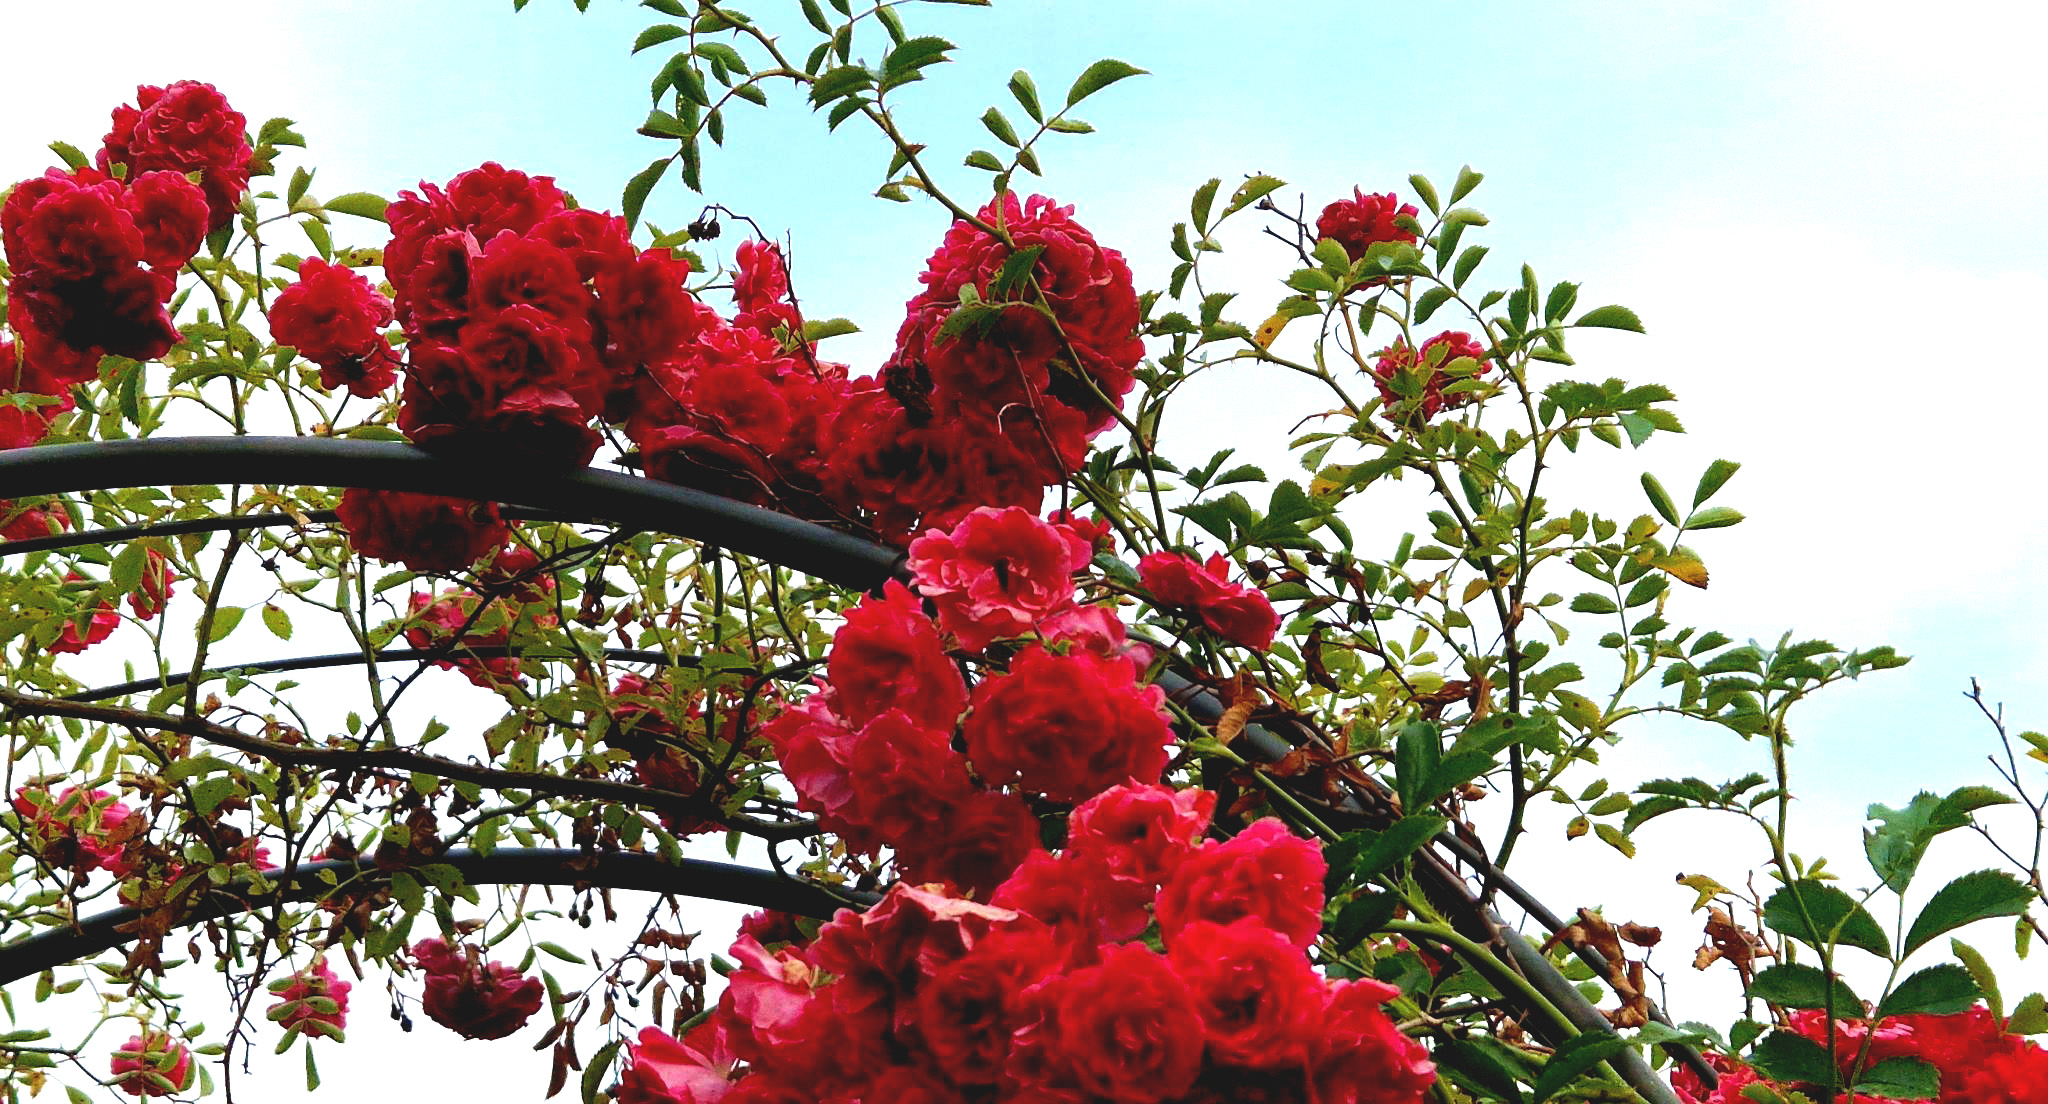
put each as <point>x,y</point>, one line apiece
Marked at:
<point>389,466</point>
<point>503,866</point>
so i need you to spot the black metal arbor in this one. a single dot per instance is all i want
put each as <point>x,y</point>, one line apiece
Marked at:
<point>1445,870</point>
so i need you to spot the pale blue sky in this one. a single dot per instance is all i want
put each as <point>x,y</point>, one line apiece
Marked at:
<point>1828,215</point>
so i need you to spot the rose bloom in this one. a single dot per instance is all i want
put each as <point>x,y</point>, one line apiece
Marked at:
<point>1141,831</point>
<point>74,638</point>
<point>662,1070</point>
<point>18,522</point>
<point>1363,221</point>
<point>335,319</point>
<point>1357,1054</point>
<point>1257,996</point>
<point>997,573</point>
<point>1078,897</point>
<point>424,532</point>
<point>184,127</point>
<point>471,998</point>
<point>153,1064</point>
<point>1264,872</point>
<point>971,842</point>
<point>888,655</point>
<point>968,1009</point>
<point>1240,614</point>
<point>312,1000</point>
<point>1437,352</point>
<point>77,829</point>
<point>170,212</point>
<point>1125,1029</point>
<point>1069,726</point>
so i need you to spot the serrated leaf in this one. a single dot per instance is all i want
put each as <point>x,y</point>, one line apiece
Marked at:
<point>1783,1056</point>
<point>1611,318</point>
<point>277,621</point>
<point>1941,990</point>
<point>1099,76</point>
<point>1714,517</point>
<point>983,159</point>
<point>1026,94</point>
<point>1000,127</point>
<point>1579,1053</point>
<point>1900,1078</point>
<point>638,188</point>
<point>1835,916</point>
<point>1426,192</point>
<point>1713,479</point>
<point>360,204</point>
<point>818,329</point>
<point>656,35</point>
<point>1660,499</point>
<point>905,63</point>
<point>1972,897</point>
<point>225,619</point>
<point>1796,985</point>
<point>1427,304</point>
<point>2029,1016</point>
<point>1981,973</point>
<point>70,155</point>
<point>1251,191</point>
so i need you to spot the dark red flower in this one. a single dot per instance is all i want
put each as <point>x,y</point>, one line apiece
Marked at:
<point>150,596</point>
<point>888,655</point>
<point>1265,872</point>
<point>1427,391</point>
<point>1364,220</point>
<point>99,624</point>
<point>184,127</point>
<point>424,532</point>
<point>968,839</point>
<point>474,999</point>
<point>997,573</point>
<point>1123,1030</point>
<point>1067,726</point>
<point>170,213</point>
<point>1239,614</point>
<point>1140,831</point>
<point>1258,998</point>
<point>335,319</point>
<point>662,1070</point>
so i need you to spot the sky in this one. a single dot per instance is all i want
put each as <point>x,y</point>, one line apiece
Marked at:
<point>1827,215</point>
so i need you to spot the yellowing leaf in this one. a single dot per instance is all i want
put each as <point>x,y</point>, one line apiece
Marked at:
<point>1683,566</point>
<point>1269,330</point>
<point>1473,589</point>
<point>1706,887</point>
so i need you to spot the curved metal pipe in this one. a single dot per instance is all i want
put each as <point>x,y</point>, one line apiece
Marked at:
<point>616,497</point>
<point>714,881</point>
<point>120,533</point>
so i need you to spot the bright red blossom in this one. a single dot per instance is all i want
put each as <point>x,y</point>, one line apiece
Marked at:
<point>1364,220</point>
<point>1067,726</point>
<point>998,573</point>
<point>424,532</point>
<point>1240,614</point>
<point>1264,872</point>
<point>1436,353</point>
<point>335,319</point>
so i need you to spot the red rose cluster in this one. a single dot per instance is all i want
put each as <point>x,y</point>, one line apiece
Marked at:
<point>312,1001</point>
<point>872,752</point>
<point>152,1064</point>
<point>336,320</point>
<point>1429,363</point>
<point>1363,221</point>
<point>94,251</point>
<point>75,829</point>
<point>642,729</point>
<point>993,414</point>
<point>1051,995</point>
<point>152,592</point>
<point>471,998</point>
<point>511,592</point>
<point>1240,614</point>
<point>1979,1063</point>
<point>424,532</point>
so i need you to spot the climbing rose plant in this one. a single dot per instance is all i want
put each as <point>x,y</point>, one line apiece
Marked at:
<point>1116,777</point>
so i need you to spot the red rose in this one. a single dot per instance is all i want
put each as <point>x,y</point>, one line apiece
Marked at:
<point>149,596</point>
<point>1140,831</point>
<point>170,213</point>
<point>648,312</point>
<point>968,1008</point>
<point>1265,872</point>
<point>903,774</point>
<point>1436,352</point>
<point>153,1064</point>
<point>997,573</point>
<point>491,199</point>
<point>888,655</point>
<point>812,743</point>
<point>1363,221</point>
<point>76,829</point>
<point>1125,1029</point>
<point>1257,996</point>
<point>1079,897</point>
<point>970,840</point>
<point>312,1000</point>
<point>80,230</point>
<point>661,1070</point>
<point>433,296</point>
<point>18,522</point>
<point>334,318</point>
<point>1358,1056</point>
<point>2015,1075</point>
<point>452,622</point>
<point>471,998</point>
<point>1067,726</point>
<point>535,427</point>
<point>516,271</point>
<point>184,127</point>
<point>424,532</point>
<point>74,638</point>
<point>595,241</point>
<point>1240,614</point>
<point>760,289</point>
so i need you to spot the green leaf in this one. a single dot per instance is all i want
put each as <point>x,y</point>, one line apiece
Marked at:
<point>1796,985</point>
<point>1099,76</point>
<point>1481,1063</point>
<point>312,1072</point>
<point>600,1065</point>
<point>816,15</point>
<point>637,188</point>
<point>656,35</point>
<point>1015,275</point>
<point>1467,261</point>
<point>277,621</point>
<point>1711,480</point>
<point>1401,839</point>
<point>1426,192</point>
<point>560,952</point>
<point>1901,1079</point>
<point>1980,972</point>
<point>1660,498</point>
<point>1000,127</point>
<point>1836,918</point>
<point>983,159</point>
<point>818,329</point>
<point>1941,990</point>
<point>1972,897</point>
<point>1714,517</point>
<point>70,155</point>
<point>1418,748</point>
<point>1611,318</point>
<point>840,81</point>
<point>1205,197</point>
<point>1251,191</point>
<point>1361,916</point>
<point>2029,1016</point>
<point>360,204</point>
<point>1895,849</point>
<point>1467,180</point>
<point>224,621</point>
<point>1783,1056</point>
<point>1429,301</point>
<point>906,62</point>
<point>1026,93</point>
<point>1578,1054</point>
